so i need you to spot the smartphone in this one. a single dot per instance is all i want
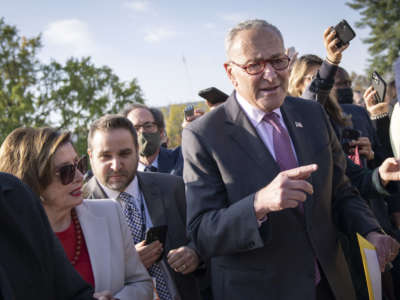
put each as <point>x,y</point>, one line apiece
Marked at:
<point>213,95</point>
<point>379,86</point>
<point>344,33</point>
<point>157,233</point>
<point>188,111</point>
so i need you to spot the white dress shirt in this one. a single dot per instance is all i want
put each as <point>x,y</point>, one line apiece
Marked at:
<point>141,166</point>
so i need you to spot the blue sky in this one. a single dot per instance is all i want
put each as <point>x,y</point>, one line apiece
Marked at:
<point>147,40</point>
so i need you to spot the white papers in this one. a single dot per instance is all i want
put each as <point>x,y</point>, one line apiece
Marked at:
<point>371,268</point>
<point>374,273</point>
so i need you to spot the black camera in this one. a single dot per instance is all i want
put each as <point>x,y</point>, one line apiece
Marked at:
<point>348,135</point>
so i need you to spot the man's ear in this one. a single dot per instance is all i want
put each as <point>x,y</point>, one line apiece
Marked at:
<point>89,152</point>
<point>231,76</point>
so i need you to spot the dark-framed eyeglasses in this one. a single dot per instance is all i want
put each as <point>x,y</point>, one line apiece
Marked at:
<point>255,68</point>
<point>147,127</point>
<point>67,172</point>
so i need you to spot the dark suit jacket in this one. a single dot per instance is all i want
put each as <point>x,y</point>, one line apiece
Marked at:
<point>170,161</point>
<point>165,199</point>
<point>226,163</point>
<point>33,264</point>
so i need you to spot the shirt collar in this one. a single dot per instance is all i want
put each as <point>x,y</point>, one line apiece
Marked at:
<point>255,114</point>
<point>132,189</point>
<point>141,166</point>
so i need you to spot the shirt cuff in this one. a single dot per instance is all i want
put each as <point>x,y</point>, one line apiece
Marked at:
<point>376,180</point>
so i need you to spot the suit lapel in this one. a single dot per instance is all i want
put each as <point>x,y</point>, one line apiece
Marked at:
<point>97,238</point>
<point>93,190</point>
<point>298,134</point>
<point>153,198</point>
<point>298,130</point>
<point>245,135</point>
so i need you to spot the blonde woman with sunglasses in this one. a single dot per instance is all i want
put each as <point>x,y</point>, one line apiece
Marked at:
<point>93,233</point>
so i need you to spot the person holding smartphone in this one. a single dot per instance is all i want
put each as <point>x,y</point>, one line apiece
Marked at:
<point>368,182</point>
<point>153,203</point>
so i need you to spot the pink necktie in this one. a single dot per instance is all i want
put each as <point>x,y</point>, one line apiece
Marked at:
<point>283,149</point>
<point>285,158</point>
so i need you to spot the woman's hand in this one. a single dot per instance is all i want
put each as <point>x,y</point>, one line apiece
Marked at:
<point>374,109</point>
<point>333,52</point>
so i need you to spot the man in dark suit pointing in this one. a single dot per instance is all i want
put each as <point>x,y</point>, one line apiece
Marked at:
<point>265,184</point>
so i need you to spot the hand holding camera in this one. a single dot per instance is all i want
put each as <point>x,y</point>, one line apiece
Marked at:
<point>375,109</point>
<point>333,52</point>
<point>349,138</point>
<point>191,114</point>
<point>364,147</point>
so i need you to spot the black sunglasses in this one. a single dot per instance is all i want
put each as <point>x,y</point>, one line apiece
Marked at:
<point>67,172</point>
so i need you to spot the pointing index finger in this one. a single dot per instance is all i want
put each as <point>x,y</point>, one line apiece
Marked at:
<point>302,172</point>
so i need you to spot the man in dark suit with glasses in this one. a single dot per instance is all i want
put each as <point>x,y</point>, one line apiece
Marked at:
<point>265,184</point>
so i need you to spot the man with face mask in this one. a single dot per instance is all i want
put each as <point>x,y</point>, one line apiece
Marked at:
<point>150,126</point>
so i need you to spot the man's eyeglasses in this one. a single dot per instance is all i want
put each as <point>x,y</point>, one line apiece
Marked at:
<point>147,127</point>
<point>67,172</point>
<point>258,67</point>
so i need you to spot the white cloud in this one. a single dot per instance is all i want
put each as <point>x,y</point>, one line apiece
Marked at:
<point>72,35</point>
<point>159,34</point>
<point>138,6</point>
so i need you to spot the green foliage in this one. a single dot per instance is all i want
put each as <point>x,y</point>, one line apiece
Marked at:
<point>173,116</point>
<point>174,124</point>
<point>18,75</point>
<point>77,93</point>
<point>68,96</point>
<point>383,18</point>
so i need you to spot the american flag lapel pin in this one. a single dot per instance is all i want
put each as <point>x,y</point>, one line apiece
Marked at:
<point>298,124</point>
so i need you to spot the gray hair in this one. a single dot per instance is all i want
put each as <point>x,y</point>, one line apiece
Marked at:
<point>246,25</point>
